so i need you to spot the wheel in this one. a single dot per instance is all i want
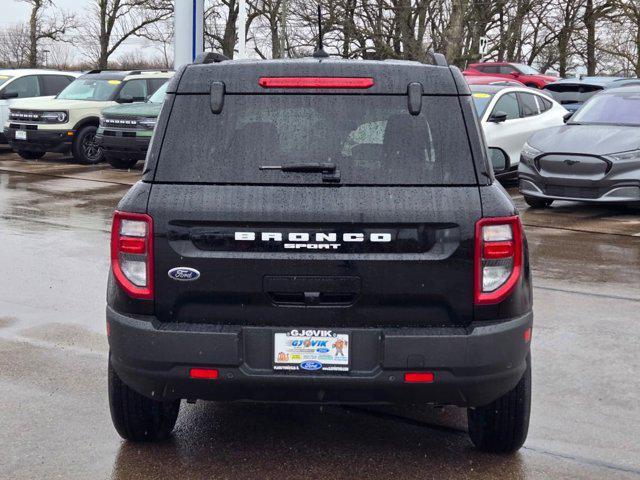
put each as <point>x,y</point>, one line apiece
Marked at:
<point>85,149</point>
<point>30,155</point>
<point>137,417</point>
<point>535,202</point>
<point>502,426</point>
<point>122,163</point>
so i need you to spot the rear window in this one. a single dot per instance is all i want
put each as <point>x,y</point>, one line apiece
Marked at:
<point>372,139</point>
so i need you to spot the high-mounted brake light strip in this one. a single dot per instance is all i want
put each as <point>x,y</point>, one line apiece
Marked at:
<point>315,82</point>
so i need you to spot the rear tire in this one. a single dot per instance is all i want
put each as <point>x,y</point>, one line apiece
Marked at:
<point>30,155</point>
<point>136,417</point>
<point>535,202</point>
<point>84,148</point>
<point>122,163</point>
<point>502,426</point>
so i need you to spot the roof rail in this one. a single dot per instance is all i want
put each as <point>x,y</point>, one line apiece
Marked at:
<point>439,59</point>
<point>135,72</point>
<point>210,57</point>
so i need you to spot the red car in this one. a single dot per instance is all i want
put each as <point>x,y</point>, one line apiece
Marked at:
<point>518,71</point>
<point>491,80</point>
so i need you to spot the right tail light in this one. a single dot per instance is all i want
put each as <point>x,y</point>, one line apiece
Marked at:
<point>498,258</point>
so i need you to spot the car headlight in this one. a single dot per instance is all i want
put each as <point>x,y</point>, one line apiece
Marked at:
<point>528,154</point>
<point>101,121</point>
<point>54,117</point>
<point>631,155</point>
<point>147,123</point>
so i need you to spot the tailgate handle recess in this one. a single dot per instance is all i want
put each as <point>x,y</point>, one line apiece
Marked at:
<point>312,291</point>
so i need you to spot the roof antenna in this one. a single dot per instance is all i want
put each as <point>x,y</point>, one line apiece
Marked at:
<point>320,53</point>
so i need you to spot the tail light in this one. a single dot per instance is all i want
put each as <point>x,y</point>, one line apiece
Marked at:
<point>132,253</point>
<point>498,258</point>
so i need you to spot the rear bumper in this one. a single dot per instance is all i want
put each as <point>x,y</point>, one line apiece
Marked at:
<point>40,140</point>
<point>123,147</point>
<point>472,366</point>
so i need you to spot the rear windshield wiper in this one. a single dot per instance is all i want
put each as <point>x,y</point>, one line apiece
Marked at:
<point>302,167</point>
<point>330,172</point>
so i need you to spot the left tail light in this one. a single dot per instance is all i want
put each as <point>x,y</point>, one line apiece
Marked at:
<point>498,258</point>
<point>132,253</point>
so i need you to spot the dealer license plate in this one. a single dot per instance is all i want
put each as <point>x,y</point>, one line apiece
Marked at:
<point>21,135</point>
<point>311,350</point>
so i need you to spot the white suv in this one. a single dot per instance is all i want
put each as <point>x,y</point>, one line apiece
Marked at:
<point>27,83</point>
<point>69,121</point>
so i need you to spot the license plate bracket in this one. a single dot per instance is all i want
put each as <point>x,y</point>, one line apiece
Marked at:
<point>311,350</point>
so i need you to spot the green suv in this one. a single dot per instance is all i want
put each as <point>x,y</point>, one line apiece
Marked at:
<point>125,130</point>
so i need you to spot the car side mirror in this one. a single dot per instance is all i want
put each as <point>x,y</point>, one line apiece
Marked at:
<point>498,117</point>
<point>129,99</point>
<point>499,160</point>
<point>8,95</point>
<point>567,116</point>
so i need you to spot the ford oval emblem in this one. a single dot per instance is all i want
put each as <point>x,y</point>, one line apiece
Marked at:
<point>311,365</point>
<point>184,274</point>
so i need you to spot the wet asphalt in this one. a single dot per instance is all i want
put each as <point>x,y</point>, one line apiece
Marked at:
<point>54,418</point>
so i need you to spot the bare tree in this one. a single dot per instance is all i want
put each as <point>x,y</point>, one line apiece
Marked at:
<point>14,46</point>
<point>51,27</point>
<point>112,22</point>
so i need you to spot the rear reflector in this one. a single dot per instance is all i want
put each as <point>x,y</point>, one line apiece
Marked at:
<point>494,250</point>
<point>203,373</point>
<point>527,335</point>
<point>315,82</point>
<point>418,377</point>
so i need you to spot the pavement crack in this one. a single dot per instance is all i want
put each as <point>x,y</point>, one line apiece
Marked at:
<point>589,294</point>
<point>585,461</point>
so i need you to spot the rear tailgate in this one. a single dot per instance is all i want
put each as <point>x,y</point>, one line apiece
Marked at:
<point>300,256</point>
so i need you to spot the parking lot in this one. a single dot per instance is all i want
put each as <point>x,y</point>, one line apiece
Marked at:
<point>55,219</point>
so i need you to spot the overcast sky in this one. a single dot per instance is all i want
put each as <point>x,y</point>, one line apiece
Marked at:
<point>14,11</point>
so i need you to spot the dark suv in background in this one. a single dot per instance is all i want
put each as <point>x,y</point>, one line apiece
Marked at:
<point>321,231</point>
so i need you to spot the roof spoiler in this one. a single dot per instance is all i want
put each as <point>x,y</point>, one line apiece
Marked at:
<point>439,59</point>
<point>210,57</point>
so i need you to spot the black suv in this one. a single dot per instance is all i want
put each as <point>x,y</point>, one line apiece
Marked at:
<point>324,231</point>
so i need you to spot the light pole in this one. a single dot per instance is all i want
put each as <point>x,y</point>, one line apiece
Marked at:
<point>242,29</point>
<point>188,22</point>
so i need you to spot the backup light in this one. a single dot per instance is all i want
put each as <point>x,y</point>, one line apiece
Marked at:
<point>498,258</point>
<point>132,253</point>
<point>315,82</point>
